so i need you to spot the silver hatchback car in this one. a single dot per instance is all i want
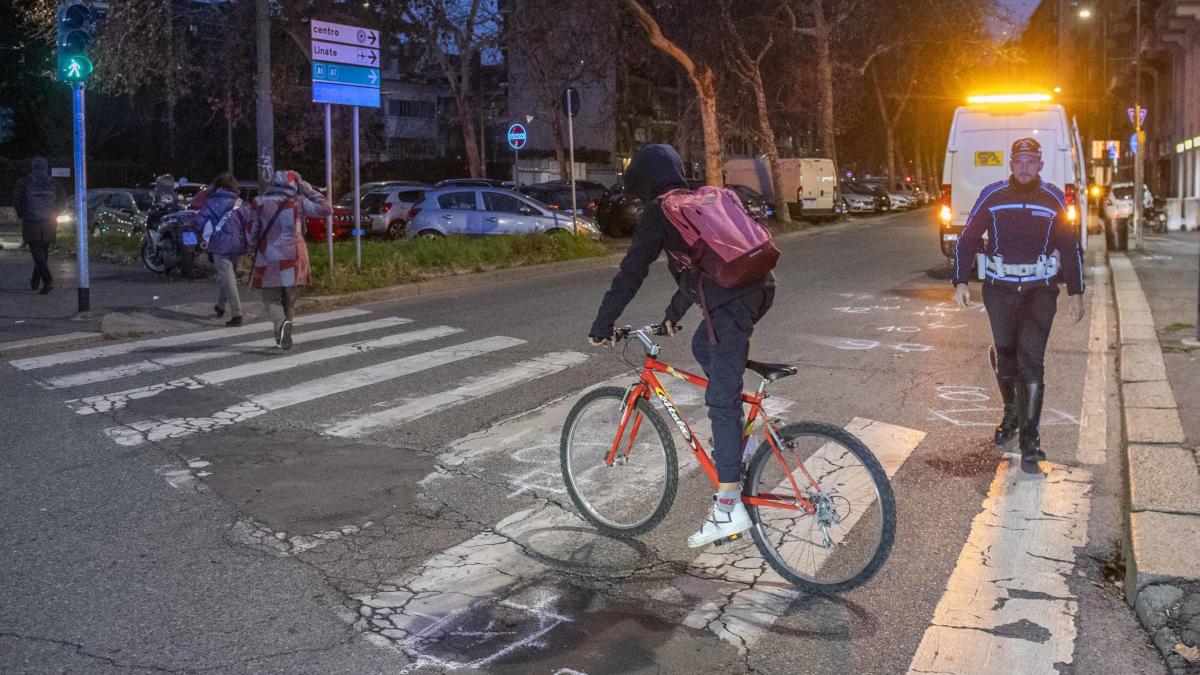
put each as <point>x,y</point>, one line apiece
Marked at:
<point>485,211</point>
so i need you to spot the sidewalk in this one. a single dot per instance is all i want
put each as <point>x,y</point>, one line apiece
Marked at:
<point>1156,300</point>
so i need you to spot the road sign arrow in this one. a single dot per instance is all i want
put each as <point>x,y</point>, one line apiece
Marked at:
<point>372,77</point>
<point>371,37</point>
<point>374,58</point>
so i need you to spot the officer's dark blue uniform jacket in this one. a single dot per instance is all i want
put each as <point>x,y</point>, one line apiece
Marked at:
<point>655,171</point>
<point>1022,223</point>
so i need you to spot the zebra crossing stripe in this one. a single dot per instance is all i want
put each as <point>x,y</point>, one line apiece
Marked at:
<point>76,356</point>
<point>115,401</point>
<point>178,427</point>
<point>161,363</point>
<point>473,388</point>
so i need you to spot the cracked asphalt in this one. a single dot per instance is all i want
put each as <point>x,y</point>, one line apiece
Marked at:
<point>448,543</point>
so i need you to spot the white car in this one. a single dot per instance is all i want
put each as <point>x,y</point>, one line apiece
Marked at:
<point>386,209</point>
<point>1119,201</point>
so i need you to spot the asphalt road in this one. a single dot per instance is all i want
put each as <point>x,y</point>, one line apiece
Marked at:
<point>387,496</point>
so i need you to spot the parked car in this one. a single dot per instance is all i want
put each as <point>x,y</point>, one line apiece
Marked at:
<point>487,211</point>
<point>343,224</point>
<point>1118,212</point>
<point>900,200</point>
<point>883,200</point>
<point>473,182</point>
<point>857,201</point>
<point>558,197</point>
<point>112,209</point>
<point>618,211</point>
<point>754,202</point>
<point>387,209</point>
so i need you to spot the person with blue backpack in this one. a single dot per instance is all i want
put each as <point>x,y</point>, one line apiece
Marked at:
<point>37,200</point>
<point>734,290</point>
<point>221,218</point>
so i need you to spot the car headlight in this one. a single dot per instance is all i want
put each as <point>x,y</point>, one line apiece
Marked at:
<point>64,218</point>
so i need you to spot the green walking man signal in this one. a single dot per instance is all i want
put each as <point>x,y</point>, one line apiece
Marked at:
<point>75,26</point>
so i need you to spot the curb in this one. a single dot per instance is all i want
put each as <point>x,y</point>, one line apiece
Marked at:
<point>48,342</point>
<point>1162,547</point>
<point>460,282</point>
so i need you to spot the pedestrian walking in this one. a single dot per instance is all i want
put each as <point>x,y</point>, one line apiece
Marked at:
<point>276,238</point>
<point>38,199</point>
<point>225,235</point>
<point>721,343</point>
<point>1031,246</point>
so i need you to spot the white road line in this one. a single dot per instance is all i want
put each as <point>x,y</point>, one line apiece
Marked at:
<point>108,402</point>
<point>474,388</point>
<point>63,358</point>
<point>1093,420</point>
<point>184,358</point>
<point>743,617</point>
<point>1007,607</point>
<point>157,430</point>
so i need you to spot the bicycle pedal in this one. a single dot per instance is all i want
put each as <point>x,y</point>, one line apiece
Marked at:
<point>727,540</point>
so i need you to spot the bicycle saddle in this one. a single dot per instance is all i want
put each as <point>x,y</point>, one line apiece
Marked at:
<point>771,371</point>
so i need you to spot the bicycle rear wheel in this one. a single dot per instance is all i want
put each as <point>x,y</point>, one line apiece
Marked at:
<point>848,539</point>
<point>636,492</point>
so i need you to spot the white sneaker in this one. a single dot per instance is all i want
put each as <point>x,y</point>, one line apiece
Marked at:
<point>721,525</point>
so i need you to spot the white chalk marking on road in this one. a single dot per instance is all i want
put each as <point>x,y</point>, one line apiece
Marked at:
<point>491,569</point>
<point>240,349</point>
<point>108,402</point>
<point>1093,419</point>
<point>260,404</point>
<point>474,388</point>
<point>748,614</point>
<point>1007,607</point>
<point>63,358</point>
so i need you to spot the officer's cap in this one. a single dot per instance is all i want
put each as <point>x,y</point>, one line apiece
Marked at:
<point>1027,146</point>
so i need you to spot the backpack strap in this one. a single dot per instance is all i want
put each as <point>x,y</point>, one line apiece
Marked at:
<point>262,237</point>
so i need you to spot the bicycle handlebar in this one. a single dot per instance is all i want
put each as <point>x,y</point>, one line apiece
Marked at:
<point>652,329</point>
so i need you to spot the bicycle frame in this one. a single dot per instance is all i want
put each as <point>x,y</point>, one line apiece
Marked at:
<point>649,382</point>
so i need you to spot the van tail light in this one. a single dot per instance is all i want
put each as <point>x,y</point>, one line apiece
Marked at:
<point>1071,193</point>
<point>945,214</point>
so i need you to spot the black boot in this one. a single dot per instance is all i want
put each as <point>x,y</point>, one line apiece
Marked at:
<point>1011,420</point>
<point>1031,393</point>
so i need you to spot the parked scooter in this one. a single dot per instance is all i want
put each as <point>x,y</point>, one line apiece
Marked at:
<point>171,241</point>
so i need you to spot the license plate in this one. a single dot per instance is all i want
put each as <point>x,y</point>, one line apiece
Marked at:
<point>810,201</point>
<point>949,237</point>
<point>189,238</point>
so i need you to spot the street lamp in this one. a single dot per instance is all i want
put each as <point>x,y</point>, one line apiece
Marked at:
<point>1085,13</point>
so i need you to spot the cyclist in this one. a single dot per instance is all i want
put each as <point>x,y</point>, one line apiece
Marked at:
<point>722,353</point>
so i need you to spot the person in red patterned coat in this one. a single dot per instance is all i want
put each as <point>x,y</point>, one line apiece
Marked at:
<point>275,238</point>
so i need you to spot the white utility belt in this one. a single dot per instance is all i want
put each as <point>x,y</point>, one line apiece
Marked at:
<point>995,268</point>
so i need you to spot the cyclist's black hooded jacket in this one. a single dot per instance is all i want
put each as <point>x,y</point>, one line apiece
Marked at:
<point>654,171</point>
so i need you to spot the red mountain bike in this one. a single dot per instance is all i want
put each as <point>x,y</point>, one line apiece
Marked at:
<point>823,512</point>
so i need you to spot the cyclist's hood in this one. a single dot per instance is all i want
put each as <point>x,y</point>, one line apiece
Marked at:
<point>654,171</point>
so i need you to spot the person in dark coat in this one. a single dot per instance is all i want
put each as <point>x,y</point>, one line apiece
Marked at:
<point>212,207</point>
<point>38,199</point>
<point>721,352</point>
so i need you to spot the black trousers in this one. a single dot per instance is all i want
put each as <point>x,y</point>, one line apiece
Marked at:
<point>41,269</point>
<point>724,364</point>
<point>1021,323</point>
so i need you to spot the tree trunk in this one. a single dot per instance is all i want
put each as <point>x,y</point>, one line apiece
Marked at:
<point>560,146</point>
<point>263,113</point>
<point>825,81</point>
<point>768,136</point>
<point>702,79</point>
<point>470,144</point>
<point>889,130</point>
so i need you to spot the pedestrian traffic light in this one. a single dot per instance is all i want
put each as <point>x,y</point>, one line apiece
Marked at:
<point>75,26</point>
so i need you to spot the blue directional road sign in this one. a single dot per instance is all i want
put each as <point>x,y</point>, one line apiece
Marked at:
<point>345,69</point>
<point>341,74</point>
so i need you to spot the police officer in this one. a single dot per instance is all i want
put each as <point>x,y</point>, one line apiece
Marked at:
<point>1030,247</point>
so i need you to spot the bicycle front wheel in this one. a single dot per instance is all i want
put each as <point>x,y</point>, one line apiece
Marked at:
<point>633,494</point>
<point>849,537</point>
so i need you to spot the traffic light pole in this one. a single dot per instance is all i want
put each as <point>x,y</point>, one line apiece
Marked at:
<point>81,220</point>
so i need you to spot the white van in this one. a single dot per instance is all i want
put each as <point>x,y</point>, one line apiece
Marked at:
<point>977,155</point>
<point>809,184</point>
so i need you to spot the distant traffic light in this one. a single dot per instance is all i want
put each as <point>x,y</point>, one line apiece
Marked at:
<point>75,26</point>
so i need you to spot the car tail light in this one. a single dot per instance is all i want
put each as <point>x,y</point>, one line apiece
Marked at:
<point>412,213</point>
<point>945,214</point>
<point>384,208</point>
<point>1071,193</point>
<point>591,206</point>
<point>553,207</point>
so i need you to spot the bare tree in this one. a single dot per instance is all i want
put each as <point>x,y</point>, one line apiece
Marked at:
<point>748,68</point>
<point>456,33</point>
<point>703,80</point>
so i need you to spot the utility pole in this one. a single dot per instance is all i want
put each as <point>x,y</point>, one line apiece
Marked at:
<point>1139,154</point>
<point>264,114</point>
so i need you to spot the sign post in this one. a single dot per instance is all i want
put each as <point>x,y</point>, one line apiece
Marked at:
<point>570,107</point>
<point>345,71</point>
<point>517,138</point>
<point>1137,115</point>
<point>81,226</point>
